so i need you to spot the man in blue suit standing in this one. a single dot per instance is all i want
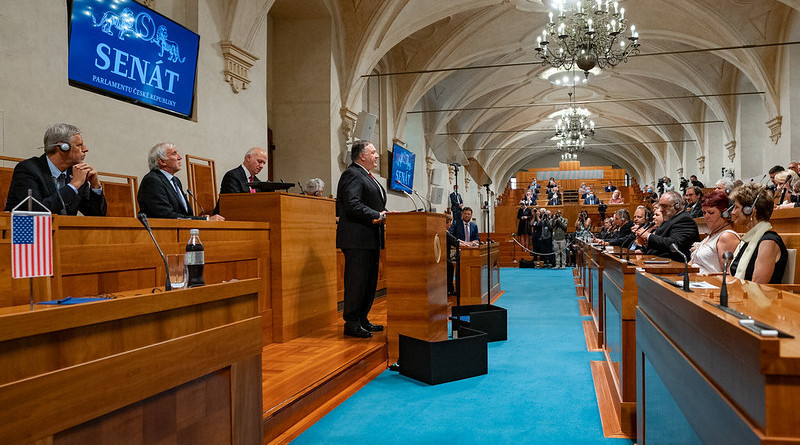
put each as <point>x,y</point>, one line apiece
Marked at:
<point>456,203</point>
<point>464,229</point>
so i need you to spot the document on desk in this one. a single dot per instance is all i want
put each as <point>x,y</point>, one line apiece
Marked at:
<point>701,285</point>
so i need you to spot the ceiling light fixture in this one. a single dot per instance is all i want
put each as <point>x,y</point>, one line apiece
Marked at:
<point>587,34</point>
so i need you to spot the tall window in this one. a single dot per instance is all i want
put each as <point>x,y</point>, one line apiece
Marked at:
<point>513,183</point>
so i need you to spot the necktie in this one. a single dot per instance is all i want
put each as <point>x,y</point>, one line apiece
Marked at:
<point>252,179</point>
<point>61,181</point>
<point>179,190</point>
<point>466,231</point>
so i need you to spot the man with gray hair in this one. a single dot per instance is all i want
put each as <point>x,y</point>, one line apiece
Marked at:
<point>237,180</point>
<point>59,178</point>
<point>314,187</point>
<point>160,193</point>
<point>678,228</point>
<point>724,185</point>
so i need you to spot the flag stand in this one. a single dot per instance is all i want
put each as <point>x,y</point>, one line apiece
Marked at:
<point>31,200</point>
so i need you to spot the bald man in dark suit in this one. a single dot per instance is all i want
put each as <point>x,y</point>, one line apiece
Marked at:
<point>360,203</point>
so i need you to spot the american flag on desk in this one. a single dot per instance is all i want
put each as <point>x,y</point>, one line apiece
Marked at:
<point>31,244</point>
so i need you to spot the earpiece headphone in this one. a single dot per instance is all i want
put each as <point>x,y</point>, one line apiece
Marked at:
<point>746,210</point>
<point>63,146</point>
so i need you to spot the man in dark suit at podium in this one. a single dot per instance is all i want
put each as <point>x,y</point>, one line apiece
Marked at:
<point>161,193</point>
<point>361,209</point>
<point>236,180</point>
<point>464,229</point>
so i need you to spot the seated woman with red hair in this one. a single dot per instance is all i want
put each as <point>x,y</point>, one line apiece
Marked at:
<point>707,254</point>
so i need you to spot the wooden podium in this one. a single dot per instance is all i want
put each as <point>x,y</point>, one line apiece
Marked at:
<point>474,266</point>
<point>302,257</point>
<point>416,275</point>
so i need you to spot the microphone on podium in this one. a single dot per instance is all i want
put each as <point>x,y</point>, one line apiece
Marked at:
<point>674,247</point>
<point>143,219</point>
<point>723,290</point>
<point>409,196</point>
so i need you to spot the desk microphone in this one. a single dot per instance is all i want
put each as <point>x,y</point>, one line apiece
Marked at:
<point>202,210</point>
<point>301,188</point>
<point>788,185</point>
<point>723,291</point>
<point>143,219</point>
<point>674,247</point>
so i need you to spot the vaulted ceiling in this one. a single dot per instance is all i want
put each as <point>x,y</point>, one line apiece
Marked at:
<point>501,115</point>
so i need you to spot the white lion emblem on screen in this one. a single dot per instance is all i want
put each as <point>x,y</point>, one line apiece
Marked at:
<point>123,22</point>
<point>166,45</point>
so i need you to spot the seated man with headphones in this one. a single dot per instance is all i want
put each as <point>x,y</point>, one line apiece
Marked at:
<point>678,228</point>
<point>59,178</point>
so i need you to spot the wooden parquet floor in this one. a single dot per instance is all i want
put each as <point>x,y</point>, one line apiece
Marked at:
<point>294,368</point>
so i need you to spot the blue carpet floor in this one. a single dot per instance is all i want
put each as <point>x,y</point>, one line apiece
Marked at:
<point>539,388</point>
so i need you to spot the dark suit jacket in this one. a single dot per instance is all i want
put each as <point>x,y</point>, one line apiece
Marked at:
<point>457,229</point>
<point>234,181</point>
<point>622,235</point>
<point>681,230</point>
<point>359,201</point>
<point>158,199</point>
<point>455,200</point>
<point>555,200</point>
<point>591,200</point>
<point>34,174</point>
<point>695,211</point>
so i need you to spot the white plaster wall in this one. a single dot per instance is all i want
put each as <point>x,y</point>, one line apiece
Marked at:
<point>752,135</point>
<point>716,155</point>
<point>36,93</point>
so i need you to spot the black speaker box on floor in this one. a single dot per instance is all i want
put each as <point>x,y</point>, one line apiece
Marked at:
<point>486,318</point>
<point>444,361</point>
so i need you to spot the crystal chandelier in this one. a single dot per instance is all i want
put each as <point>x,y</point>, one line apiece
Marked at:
<point>569,156</point>
<point>587,34</point>
<point>573,127</point>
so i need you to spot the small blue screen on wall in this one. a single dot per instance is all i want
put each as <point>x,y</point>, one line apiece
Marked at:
<point>129,51</point>
<point>402,169</point>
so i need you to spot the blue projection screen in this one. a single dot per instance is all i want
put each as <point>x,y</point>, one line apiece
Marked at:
<point>124,49</point>
<point>402,169</point>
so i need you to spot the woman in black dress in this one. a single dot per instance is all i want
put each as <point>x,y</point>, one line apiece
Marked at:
<point>524,215</point>
<point>761,255</point>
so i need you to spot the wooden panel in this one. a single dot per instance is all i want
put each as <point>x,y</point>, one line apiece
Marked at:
<point>416,291</point>
<point>474,266</point>
<point>197,411</point>
<point>621,292</point>
<point>120,196</point>
<point>202,176</point>
<point>95,256</point>
<point>303,251</point>
<point>73,364</point>
<point>757,377</point>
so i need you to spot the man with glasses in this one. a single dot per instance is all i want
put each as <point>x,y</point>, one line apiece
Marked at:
<point>678,228</point>
<point>693,195</point>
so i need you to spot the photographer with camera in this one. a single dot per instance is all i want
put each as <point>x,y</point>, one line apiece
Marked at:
<point>560,240</point>
<point>543,226</point>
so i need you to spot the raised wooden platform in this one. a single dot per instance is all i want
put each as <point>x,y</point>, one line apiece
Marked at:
<point>305,378</point>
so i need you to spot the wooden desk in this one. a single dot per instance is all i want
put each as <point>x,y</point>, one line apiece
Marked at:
<point>618,318</point>
<point>474,273</point>
<point>705,379</point>
<point>594,290</point>
<point>141,369</point>
<point>303,256</point>
<point>93,256</point>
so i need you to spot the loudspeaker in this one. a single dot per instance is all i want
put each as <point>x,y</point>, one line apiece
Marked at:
<point>365,126</point>
<point>437,193</point>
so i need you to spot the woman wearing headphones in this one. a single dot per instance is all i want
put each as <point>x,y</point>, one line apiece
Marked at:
<point>761,255</point>
<point>707,254</point>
